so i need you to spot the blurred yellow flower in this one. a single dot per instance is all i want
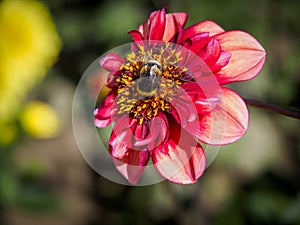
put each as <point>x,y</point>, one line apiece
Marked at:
<point>9,132</point>
<point>40,120</point>
<point>29,45</point>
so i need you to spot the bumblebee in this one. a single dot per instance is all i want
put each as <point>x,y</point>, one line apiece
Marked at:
<point>147,83</point>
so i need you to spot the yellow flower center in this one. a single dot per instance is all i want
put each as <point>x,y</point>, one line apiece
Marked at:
<point>148,80</point>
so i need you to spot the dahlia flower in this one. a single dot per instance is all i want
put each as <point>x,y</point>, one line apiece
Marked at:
<point>167,95</point>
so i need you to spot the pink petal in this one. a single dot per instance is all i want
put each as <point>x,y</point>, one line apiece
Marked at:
<point>158,132</point>
<point>100,121</point>
<point>136,35</point>
<point>247,56</point>
<point>222,61</point>
<point>205,26</point>
<point>140,131</point>
<point>103,114</point>
<point>226,123</point>
<point>170,29</point>
<point>124,131</point>
<point>124,135</point>
<point>112,62</point>
<point>199,40</point>
<point>180,17</point>
<point>211,53</point>
<point>186,115</point>
<point>182,159</point>
<point>196,65</point>
<point>204,102</point>
<point>185,111</point>
<point>117,147</point>
<point>170,25</point>
<point>132,135</point>
<point>132,165</point>
<point>157,25</point>
<point>173,21</point>
<point>130,162</point>
<point>144,29</point>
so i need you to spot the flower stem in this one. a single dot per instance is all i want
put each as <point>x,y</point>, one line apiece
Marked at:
<point>273,108</point>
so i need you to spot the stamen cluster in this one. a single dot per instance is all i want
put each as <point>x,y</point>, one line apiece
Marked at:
<point>148,80</point>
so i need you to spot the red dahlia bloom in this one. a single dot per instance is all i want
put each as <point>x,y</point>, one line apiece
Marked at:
<point>163,102</point>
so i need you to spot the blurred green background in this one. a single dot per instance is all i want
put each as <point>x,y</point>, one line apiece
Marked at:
<point>45,47</point>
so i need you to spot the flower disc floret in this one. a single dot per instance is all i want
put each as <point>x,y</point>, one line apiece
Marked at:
<point>147,80</point>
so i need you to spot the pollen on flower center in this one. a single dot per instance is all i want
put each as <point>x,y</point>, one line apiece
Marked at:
<point>148,81</point>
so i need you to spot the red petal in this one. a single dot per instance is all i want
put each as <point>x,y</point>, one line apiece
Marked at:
<point>130,162</point>
<point>140,131</point>
<point>198,41</point>
<point>185,114</point>
<point>112,62</point>
<point>184,110</point>
<point>136,35</point>
<point>117,148</point>
<point>170,29</point>
<point>144,29</point>
<point>182,160</point>
<point>103,114</point>
<point>211,53</point>
<point>181,17</point>
<point>205,26</point>
<point>227,122</point>
<point>100,121</point>
<point>195,65</point>
<point>222,61</point>
<point>247,57</point>
<point>133,165</point>
<point>173,20</point>
<point>123,130</point>
<point>158,132</point>
<point>130,133</point>
<point>204,102</point>
<point>157,25</point>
